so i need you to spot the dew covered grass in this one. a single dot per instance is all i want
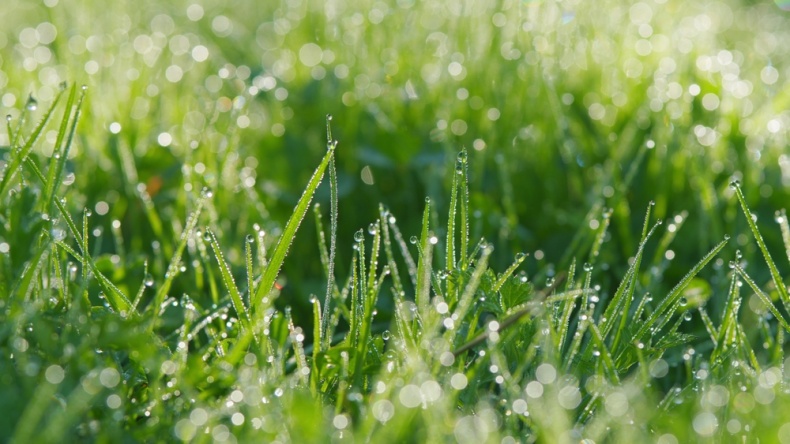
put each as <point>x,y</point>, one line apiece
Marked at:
<point>450,221</point>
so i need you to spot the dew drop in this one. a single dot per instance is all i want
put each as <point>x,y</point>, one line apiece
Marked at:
<point>207,193</point>
<point>84,87</point>
<point>359,236</point>
<point>588,267</point>
<point>735,184</point>
<point>428,200</point>
<point>726,237</point>
<point>250,238</point>
<point>373,229</point>
<point>8,117</point>
<point>32,103</point>
<point>462,156</point>
<point>413,240</point>
<point>88,212</point>
<point>329,117</point>
<point>149,280</point>
<point>520,256</point>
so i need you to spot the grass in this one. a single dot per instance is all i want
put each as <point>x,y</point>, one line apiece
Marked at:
<point>531,222</point>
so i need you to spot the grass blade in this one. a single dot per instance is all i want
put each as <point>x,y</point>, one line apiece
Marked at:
<point>281,250</point>
<point>16,163</point>
<point>230,284</point>
<point>676,292</point>
<point>775,276</point>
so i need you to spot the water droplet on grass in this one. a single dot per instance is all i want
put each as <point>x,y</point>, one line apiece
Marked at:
<point>250,238</point>
<point>207,193</point>
<point>359,236</point>
<point>735,184</point>
<point>588,267</point>
<point>413,240</point>
<point>32,103</point>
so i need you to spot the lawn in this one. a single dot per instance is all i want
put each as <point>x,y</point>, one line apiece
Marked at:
<point>368,221</point>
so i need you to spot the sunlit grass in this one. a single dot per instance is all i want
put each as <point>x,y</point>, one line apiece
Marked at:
<point>541,221</point>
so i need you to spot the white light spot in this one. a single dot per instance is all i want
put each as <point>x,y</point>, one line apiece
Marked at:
<point>164,139</point>
<point>340,422</point>
<point>310,54</point>
<point>458,381</point>
<point>54,373</point>
<point>410,396</point>
<point>195,12</point>
<point>705,424</point>
<point>383,410</point>
<point>546,374</point>
<point>200,53</point>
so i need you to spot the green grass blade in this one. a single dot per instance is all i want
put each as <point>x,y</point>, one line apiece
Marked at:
<point>451,216</point>
<point>331,286</point>
<point>464,196</point>
<point>230,283</point>
<point>761,294</point>
<point>175,260</point>
<point>676,292</point>
<point>422,295</point>
<point>281,250</point>
<point>775,276</point>
<point>16,162</point>
<point>58,162</point>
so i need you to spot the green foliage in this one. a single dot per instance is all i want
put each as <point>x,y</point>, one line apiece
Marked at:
<point>155,284</point>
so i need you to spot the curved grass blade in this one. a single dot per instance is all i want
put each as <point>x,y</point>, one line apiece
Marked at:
<point>775,276</point>
<point>58,162</point>
<point>230,283</point>
<point>422,294</point>
<point>16,162</point>
<point>674,295</point>
<point>281,250</point>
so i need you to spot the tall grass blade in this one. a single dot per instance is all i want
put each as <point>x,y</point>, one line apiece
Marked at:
<point>761,294</point>
<point>230,283</point>
<point>175,260</point>
<point>676,292</point>
<point>281,250</point>
<point>775,276</point>
<point>424,264</point>
<point>19,157</point>
<point>58,161</point>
